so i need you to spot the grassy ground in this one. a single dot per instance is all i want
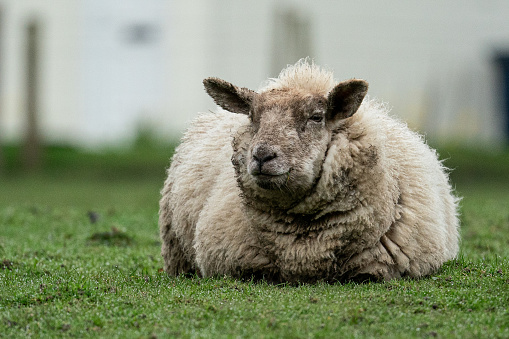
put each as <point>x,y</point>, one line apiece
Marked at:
<point>79,256</point>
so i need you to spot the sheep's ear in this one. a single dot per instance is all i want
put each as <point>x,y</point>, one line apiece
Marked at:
<point>228,96</point>
<point>344,99</point>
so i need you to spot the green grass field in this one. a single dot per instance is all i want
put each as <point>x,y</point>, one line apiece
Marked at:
<point>79,257</point>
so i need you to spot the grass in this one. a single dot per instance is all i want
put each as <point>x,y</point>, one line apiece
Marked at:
<point>79,257</point>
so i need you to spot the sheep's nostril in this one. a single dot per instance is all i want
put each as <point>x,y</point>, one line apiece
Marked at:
<point>263,153</point>
<point>261,159</point>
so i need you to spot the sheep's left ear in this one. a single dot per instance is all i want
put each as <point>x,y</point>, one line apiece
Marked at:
<point>230,97</point>
<point>344,99</point>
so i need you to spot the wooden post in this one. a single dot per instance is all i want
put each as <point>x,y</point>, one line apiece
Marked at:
<point>32,147</point>
<point>291,38</point>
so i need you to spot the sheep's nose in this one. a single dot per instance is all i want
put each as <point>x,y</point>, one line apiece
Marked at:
<point>264,157</point>
<point>262,154</point>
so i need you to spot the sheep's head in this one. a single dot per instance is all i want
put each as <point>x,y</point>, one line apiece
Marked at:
<point>281,153</point>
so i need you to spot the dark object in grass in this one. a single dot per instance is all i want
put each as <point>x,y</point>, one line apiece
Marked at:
<point>93,216</point>
<point>114,238</point>
<point>7,264</point>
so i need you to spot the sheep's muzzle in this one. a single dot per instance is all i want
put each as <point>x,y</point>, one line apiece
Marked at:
<point>268,167</point>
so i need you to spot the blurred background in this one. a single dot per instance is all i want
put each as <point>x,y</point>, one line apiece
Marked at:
<point>104,88</point>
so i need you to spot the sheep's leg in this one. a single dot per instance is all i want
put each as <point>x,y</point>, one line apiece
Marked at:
<point>232,252</point>
<point>384,261</point>
<point>224,243</point>
<point>175,259</point>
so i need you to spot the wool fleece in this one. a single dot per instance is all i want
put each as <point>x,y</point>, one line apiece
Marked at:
<point>305,180</point>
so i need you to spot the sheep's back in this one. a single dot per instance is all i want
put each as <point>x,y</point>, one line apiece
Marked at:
<point>427,229</point>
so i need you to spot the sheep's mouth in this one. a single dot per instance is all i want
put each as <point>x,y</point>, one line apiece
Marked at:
<point>271,181</point>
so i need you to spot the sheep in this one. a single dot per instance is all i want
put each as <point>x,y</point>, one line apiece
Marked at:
<point>305,180</point>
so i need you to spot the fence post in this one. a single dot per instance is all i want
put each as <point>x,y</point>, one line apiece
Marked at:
<point>32,146</point>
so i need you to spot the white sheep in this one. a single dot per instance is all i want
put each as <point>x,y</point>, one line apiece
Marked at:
<point>309,181</point>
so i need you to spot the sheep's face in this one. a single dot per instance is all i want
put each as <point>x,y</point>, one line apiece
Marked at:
<point>289,139</point>
<point>280,156</point>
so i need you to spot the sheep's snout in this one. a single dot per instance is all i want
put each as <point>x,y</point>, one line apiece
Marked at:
<point>266,160</point>
<point>261,156</point>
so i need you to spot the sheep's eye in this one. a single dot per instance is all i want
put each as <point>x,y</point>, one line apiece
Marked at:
<point>316,118</point>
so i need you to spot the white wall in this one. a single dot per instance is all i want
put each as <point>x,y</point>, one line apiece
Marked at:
<point>432,61</point>
<point>120,63</point>
<point>185,52</point>
<point>96,84</point>
<point>58,68</point>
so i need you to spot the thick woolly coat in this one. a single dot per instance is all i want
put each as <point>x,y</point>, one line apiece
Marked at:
<point>381,207</point>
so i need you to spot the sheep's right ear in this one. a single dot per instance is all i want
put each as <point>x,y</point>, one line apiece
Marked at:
<point>228,96</point>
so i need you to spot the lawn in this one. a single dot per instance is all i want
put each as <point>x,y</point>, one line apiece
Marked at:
<point>79,257</point>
